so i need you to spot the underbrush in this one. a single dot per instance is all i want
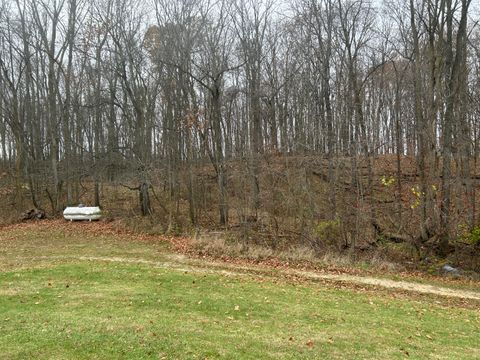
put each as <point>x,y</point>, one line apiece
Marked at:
<point>324,247</point>
<point>220,245</point>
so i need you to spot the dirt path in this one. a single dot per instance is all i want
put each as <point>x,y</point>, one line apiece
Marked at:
<point>181,263</point>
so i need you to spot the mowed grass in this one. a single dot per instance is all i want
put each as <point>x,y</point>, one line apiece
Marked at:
<point>71,309</point>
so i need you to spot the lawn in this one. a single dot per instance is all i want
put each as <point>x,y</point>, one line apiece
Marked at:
<point>80,309</point>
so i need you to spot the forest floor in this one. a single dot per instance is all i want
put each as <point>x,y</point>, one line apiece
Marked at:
<point>94,290</point>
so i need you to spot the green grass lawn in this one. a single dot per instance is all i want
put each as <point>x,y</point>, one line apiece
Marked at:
<point>70,309</point>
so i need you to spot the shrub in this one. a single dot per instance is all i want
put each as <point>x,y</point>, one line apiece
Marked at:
<point>472,236</point>
<point>328,233</point>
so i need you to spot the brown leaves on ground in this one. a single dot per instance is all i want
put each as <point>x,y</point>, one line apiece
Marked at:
<point>96,228</point>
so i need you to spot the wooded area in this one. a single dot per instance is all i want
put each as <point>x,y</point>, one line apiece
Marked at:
<point>309,118</point>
